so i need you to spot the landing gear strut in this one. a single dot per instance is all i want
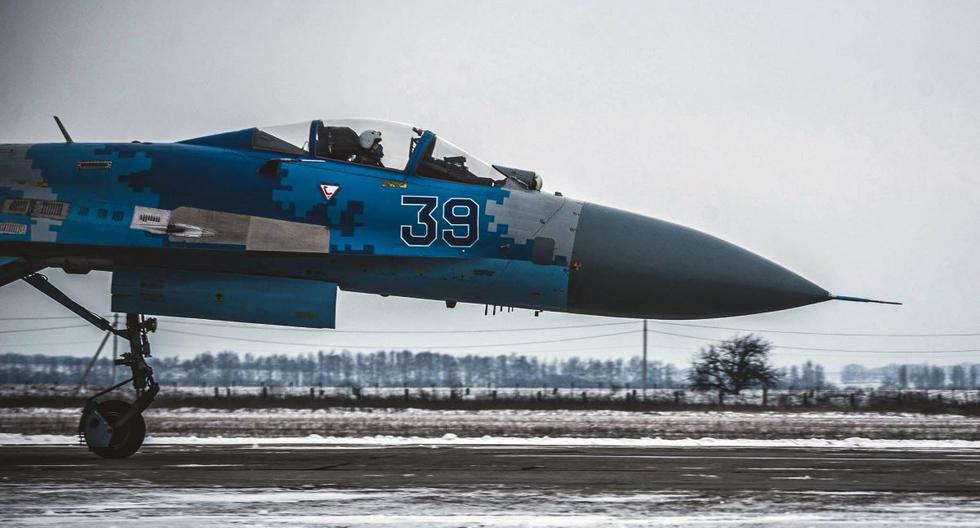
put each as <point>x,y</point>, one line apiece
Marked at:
<point>114,428</point>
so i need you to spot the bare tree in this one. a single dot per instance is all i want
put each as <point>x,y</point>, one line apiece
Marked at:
<point>732,366</point>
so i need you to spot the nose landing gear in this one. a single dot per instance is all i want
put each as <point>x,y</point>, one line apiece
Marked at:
<point>114,428</point>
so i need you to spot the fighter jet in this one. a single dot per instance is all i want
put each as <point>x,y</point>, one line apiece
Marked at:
<point>264,225</point>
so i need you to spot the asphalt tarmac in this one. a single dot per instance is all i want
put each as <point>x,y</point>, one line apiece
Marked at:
<point>488,486</point>
<point>618,469</point>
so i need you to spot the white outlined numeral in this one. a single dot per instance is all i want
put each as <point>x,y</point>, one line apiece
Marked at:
<point>462,215</point>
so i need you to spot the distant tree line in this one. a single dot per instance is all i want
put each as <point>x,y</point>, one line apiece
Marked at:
<point>424,369</point>
<point>915,376</point>
<point>384,368</point>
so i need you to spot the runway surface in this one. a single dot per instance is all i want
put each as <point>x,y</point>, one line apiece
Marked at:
<point>490,486</point>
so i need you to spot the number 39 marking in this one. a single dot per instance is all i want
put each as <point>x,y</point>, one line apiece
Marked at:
<point>462,215</point>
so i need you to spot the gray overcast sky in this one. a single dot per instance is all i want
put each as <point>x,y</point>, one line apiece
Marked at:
<point>839,139</point>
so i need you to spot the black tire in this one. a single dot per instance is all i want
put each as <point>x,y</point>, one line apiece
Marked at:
<point>125,441</point>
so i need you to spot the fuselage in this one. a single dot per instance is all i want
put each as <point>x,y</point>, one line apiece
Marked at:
<point>208,206</point>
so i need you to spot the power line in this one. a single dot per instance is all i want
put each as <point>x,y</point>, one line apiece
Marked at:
<point>157,346</point>
<point>835,334</point>
<point>314,345</point>
<point>376,347</point>
<point>91,342</point>
<point>629,347</point>
<point>23,330</point>
<point>507,330</point>
<point>37,318</point>
<point>849,350</point>
<point>182,347</point>
<point>247,326</point>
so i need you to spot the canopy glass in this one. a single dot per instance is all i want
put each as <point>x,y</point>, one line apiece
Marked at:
<point>386,144</point>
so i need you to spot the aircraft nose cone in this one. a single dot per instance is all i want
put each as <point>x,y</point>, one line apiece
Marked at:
<point>628,265</point>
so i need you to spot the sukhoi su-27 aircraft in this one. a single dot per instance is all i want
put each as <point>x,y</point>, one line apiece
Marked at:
<point>264,225</point>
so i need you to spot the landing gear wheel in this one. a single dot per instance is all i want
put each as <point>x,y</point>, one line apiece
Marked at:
<point>126,440</point>
<point>97,426</point>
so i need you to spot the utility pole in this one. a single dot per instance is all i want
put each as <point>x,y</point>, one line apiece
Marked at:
<point>81,382</point>
<point>644,359</point>
<point>115,346</point>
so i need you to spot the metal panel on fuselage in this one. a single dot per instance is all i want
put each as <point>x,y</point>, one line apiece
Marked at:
<point>225,297</point>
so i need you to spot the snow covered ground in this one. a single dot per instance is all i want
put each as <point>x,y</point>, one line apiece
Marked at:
<point>313,441</point>
<point>85,505</point>
<point>347,422</point>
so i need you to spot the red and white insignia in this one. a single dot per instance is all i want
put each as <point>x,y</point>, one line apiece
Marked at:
<point>329,190</point>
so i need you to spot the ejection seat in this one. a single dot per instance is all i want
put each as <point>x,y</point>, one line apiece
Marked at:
<point>336,143</point>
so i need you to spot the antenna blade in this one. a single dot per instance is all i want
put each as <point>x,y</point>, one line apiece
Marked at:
<point>63,131</point>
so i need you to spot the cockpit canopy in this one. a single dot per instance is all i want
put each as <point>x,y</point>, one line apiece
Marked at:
<point>339,139</point>
<point>389,145</point>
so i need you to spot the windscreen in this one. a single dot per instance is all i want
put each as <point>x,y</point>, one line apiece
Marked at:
<point>449,162</point>
<point>295,134</point>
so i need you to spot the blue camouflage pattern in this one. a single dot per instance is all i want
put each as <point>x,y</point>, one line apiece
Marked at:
<point>105,185</point>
